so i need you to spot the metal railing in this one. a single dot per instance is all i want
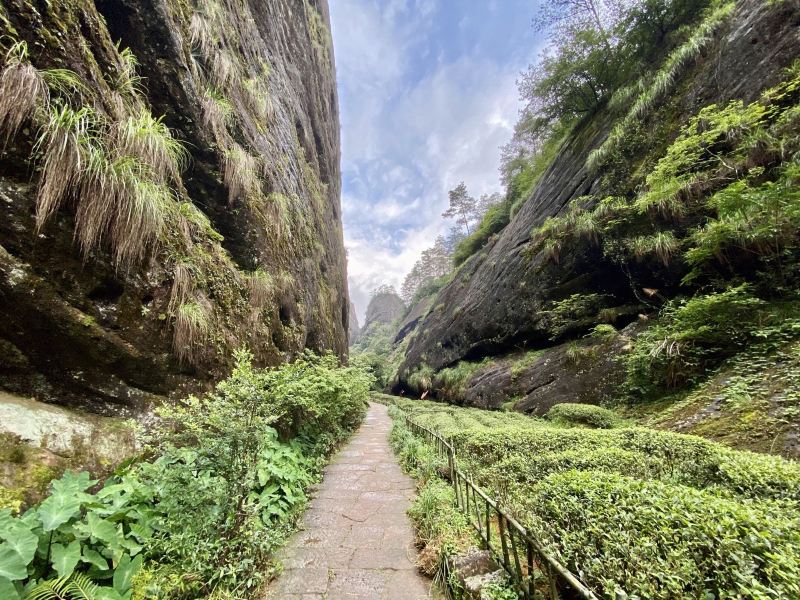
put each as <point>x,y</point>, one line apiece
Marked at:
<point>529,565</point>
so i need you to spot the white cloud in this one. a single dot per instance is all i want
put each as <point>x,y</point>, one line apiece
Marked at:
<point>413,128</point>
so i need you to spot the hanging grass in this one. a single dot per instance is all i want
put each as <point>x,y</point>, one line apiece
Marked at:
<point>262,288</point>
<point>121,200</point>
<point>217,113</point>
<point>66,83</point>
<point>182,286</point>
<point>126,82</point>
<point>192,325</point>
<point>64,140</point>
<point>22,91</point>
<point>240,171</point>
<point>663,82</point>
<point>224,68</point>
<point>150,139</point>
<point>663,245</point>
<point>116,172</point>
<point>201,34</point>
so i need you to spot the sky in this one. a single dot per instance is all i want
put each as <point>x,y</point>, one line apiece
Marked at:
<point>427,95</point>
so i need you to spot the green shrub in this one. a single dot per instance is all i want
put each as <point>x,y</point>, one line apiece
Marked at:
<point>226,484</point>
<point>493,221</point>
<point>569,413</point>
<point>451,382</point>
<point>684,459</point>
<point>657,540</point>
<point>421,379</point>
<point>579,310</point>
<point>692,336</point>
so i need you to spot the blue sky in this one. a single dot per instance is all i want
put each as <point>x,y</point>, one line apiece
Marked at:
<point>427,93</point>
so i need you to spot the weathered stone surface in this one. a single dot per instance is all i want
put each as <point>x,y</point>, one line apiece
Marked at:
<point>587,372</point>
<point>353,327</point>
<point>383,308</point>
<point>474,570</point>
<point>356,530</point>
<point>412,319</point>
<point>73,329</point>
<point>495,302</point>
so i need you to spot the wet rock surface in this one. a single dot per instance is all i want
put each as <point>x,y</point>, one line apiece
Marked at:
<point>587,372</point>
<point>357,542</point>
<point>496,301</point>
<point>76,330</point>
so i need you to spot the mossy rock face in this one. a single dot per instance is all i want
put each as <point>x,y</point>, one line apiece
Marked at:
<point>76,329</point>
<point>501,298</point>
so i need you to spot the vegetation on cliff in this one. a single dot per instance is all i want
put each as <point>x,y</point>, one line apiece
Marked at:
<point>166,157</point>
<point>682,217</point>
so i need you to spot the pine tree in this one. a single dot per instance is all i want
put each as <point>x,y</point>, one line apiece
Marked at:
<point>463,207</point>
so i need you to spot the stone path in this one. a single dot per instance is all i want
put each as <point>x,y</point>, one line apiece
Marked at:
<point>357,542</point>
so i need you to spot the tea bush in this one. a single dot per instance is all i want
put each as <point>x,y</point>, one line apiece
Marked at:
<point>569,413</point>
<point>662,541</point>
<point>650,513</point>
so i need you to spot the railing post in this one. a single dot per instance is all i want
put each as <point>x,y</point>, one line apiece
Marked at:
<point>503,543</point>
<point>553,583</point>
<point>529,557</point>
<point>488,526</point>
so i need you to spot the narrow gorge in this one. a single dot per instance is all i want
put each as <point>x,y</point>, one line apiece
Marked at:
<point>399,300</point>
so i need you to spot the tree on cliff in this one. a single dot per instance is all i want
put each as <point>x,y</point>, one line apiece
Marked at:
<point>434,262</point>
<point>463,207</point>
<point>595,47</point>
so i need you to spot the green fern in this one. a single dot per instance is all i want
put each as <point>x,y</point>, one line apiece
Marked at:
<point>72,587</point>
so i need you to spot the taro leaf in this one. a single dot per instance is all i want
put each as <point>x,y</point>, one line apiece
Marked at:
<point>107,593</point>
<point>7,590</point>
<point>66,499</point>
<point>73,483</point>
<point>18,536</point>
<point>12,566</point>
<point>141,531</point>
<point>58,509</point>
<point>65,558</point>
<point>123,574</point>
<point>102,530</point>
<point>94,558</point>
<point>131,545</point>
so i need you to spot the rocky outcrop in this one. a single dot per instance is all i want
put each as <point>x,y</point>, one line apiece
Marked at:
<point>244,248</point>
<point>500,299</point>
<point>384,308</point>
<point>586,372</point>
<point>409,323</point>
<point>353,327</point>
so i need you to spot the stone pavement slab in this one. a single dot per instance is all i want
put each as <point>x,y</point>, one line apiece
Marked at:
<point>356,542</point>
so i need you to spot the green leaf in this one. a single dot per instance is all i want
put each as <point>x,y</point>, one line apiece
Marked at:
<point>94,558</point>
<point>7,590</point>
<point>12,565</point>
<point>65,558</point>
<point>18,536</point>
<point>102,530</point>
<point>73,483</point>
<point>107,593</point>
<point>58,509</point>
<point>126,569</point>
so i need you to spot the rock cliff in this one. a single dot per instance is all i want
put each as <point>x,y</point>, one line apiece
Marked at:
<point>170,193</point>
<point>500,301</point>
<point>384,308</point>
<point>353,326</point>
